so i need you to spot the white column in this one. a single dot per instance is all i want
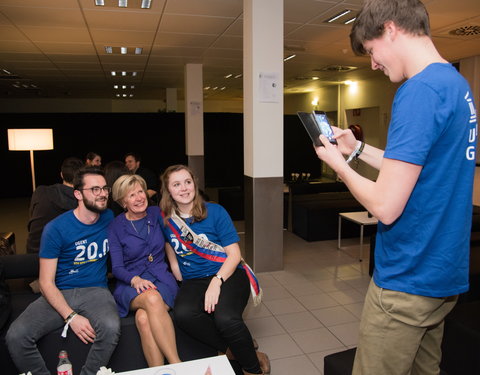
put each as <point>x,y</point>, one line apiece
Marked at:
<point>194,120</point>
<point>263,132</point>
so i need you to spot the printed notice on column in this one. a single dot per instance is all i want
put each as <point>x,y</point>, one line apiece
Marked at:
<point>270,89</point>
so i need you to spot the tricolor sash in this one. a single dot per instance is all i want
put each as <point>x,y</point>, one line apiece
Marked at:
<point>210,250</point>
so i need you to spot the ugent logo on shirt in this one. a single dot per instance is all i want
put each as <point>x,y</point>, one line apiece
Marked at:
<point>472,135</point>
<point>89,252</point>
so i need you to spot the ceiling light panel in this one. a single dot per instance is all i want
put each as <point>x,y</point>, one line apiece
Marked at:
<point>342,17</point>
<point>132,4</point>
<point>123,50</point>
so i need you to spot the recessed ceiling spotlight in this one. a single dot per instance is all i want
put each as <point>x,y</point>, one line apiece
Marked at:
<point>228,75</point>
<point>223,88</point>
<point>124,74</point>
<point>113,73</point>
<point>123,3</point>
<point>123,50</point>
<point>134,74</point>
<point>118,95</point>
<point>238,76</point>
<point>131,95</point>
<point>207,88</point>
<point>115,87</point>
<point>108,49</point>
<point>138,50</point>
<point>100,3</point>
<point>216,87</point>
<point>350,21</point>
<point>315,78</point>
<point>6,71</point>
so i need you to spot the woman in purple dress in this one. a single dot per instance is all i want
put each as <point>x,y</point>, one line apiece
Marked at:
<point>144,282</point>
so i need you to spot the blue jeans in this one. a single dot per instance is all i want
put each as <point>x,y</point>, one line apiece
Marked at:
<point>40,318</point>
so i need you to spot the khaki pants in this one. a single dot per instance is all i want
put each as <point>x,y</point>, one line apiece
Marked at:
<point>400,333</point>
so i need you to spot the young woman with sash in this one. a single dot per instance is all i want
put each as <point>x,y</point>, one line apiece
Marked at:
<point>202,247</point>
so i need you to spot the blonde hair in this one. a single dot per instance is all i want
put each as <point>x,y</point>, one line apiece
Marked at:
<point>123,184</point>
<point>167,204</point>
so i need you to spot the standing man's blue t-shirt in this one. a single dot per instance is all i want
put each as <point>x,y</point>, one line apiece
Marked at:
<point>426,250</point>
<point>81,250</point>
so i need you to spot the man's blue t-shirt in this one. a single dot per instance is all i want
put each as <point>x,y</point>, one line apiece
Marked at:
<point>217,227</point>
<point>426,250</point>
<point>81,250</point>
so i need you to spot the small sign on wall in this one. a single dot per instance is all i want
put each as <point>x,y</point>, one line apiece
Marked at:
<point>269,86</point>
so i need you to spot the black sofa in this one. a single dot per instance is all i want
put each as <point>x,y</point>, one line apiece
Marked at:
<point>128,355</point>
<point>315,209</point>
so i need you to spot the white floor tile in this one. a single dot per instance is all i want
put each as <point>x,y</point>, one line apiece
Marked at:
<point>301,321</point>
<point>347,296</point>
<point>347,333</point>
<point>316,340</point>
<point>262,327</point>
<point>294,366</point>
<point>334,315</point>
<point>318,301</point>
<point>284,306</point>
<point>280,346</point>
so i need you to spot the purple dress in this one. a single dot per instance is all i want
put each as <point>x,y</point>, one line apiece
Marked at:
<point>134,253</point>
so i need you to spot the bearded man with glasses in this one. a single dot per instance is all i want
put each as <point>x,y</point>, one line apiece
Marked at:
<point>73,282</point>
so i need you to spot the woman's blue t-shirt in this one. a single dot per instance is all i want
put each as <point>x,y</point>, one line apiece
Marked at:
<point>217,227</point>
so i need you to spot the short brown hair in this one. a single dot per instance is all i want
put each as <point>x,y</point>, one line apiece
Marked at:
<point>167,204</point>
<point>409,15</point>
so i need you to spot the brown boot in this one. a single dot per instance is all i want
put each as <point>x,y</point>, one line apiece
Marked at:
<point>264,362</point>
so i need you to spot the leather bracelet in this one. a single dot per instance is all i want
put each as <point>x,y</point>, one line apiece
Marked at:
<point>356,152</point>
<point>68,318</point>
<point>220,278</point>
<point>360,150</point>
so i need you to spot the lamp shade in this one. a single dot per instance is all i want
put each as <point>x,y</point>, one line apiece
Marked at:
<point>30,139</point>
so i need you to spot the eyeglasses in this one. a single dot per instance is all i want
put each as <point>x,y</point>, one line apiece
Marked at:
<point>97,189</point>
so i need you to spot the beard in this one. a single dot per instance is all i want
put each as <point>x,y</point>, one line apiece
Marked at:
<point>94,205</point>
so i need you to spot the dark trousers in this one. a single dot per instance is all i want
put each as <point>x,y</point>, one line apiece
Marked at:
<point>223,328</point>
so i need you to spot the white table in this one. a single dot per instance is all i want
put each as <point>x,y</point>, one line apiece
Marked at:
<point>360,218</point>
<point>219,365</point>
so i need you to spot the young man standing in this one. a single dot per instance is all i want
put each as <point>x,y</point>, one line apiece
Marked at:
<point>423,194</point>
<point>73,282</point>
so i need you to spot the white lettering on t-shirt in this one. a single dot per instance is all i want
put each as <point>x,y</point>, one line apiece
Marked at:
<point>473,133</point>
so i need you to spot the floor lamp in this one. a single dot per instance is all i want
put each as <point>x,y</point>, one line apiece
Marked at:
<point>30,140</point>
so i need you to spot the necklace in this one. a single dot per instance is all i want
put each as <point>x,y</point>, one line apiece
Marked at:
<point>141,233</point>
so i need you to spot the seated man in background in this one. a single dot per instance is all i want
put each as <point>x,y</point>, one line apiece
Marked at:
<point>132,161</point>
<point>50,201</point>
<point>73,282</point>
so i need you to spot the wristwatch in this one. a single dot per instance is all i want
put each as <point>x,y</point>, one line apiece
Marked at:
<point>220,278</point>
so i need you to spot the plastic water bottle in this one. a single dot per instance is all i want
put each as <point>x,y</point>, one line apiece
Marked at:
<point>64,365</point>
